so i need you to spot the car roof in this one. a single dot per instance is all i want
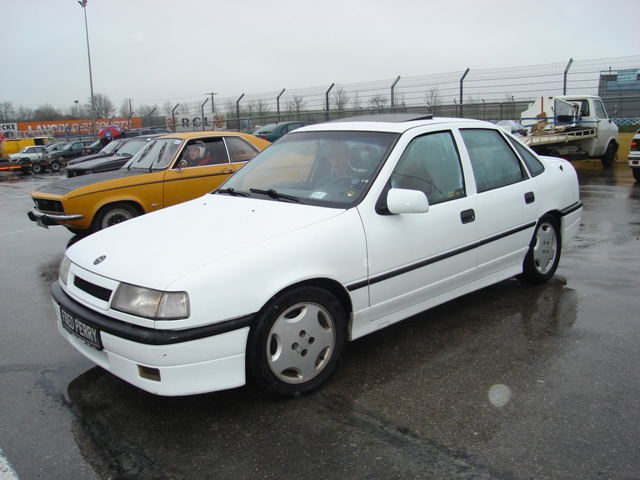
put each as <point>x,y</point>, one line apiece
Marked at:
<point>389,122</point>
<point>190,135</point>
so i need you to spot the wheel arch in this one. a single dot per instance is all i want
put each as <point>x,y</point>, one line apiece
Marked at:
<point>110,203</point>
<point>332,286</point>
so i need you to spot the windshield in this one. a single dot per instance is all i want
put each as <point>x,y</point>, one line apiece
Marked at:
<point>157,155</point>
<point>331,169</point>
<point>111,146</point>
<point>132,147</point>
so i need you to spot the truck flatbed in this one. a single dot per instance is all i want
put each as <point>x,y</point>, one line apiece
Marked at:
<point>543,138</point>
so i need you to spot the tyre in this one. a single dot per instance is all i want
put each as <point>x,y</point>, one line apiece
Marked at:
<point>110,215</point>
<point>55,166</point>
<point>609,155</point>
<point>25,165</point>
<point>543,256</point>
<point>636,174</point>
<point>36,168</point>
<point>297,342</point>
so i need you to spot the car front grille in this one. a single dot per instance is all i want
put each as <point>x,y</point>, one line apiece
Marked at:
<point>45,205</point>
<point>92,289</point>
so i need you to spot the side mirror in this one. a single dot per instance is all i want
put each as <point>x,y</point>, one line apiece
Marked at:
<point>182,165</point>
<point>400,200</point>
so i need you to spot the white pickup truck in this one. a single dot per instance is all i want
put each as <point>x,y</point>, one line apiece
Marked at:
<point>572,127</point>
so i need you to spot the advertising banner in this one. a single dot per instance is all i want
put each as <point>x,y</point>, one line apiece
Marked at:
<point>71,127</point>
<point>194,123</point>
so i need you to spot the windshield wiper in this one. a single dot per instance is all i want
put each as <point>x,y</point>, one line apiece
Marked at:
<point>159,156</point>
<point>233,192</point>
<point>271,193</point>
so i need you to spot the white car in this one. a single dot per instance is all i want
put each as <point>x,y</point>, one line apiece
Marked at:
<point>336,231</point>
<point>634,156</point>
<point>35,152</point>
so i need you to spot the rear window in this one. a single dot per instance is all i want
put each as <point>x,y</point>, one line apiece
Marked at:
<point>534,165</point>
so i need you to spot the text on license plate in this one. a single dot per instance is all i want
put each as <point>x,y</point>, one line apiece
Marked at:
<point>85,332</point>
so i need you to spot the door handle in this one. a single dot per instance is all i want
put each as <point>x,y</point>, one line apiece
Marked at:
<point>467,216</point>
<point>228,170</point>
<point>529,197</point>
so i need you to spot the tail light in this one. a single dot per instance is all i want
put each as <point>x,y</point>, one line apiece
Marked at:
<point>634,144</point>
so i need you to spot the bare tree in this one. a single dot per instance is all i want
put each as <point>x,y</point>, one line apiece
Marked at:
<point>230,107</point>
<point>7,112</point>
<point>167,108</point>
<point>378,101</point>
<point>146,112</point>
<point>433,98</point>
<point>24,114</point>
<point>262,107</point>
<point>249,108</point>
<point>46,112</point>
<point>296,104</point>
<point>103,105</point>
<point>356,103</point>
<point>126,108</point>
<point>340,99</point>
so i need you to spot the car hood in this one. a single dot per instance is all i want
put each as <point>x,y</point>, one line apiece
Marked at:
<point>87,158</point>
<point>62,187</point>
<point>159,248</point>
<point>96,162</point>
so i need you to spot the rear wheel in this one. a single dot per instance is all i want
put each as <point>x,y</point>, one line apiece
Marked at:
<point>297,342</point>
<point>113,214</point>
<point>543,256</point>
<point>636,174</point>
<point>55,166</point>
<point>36,168</point>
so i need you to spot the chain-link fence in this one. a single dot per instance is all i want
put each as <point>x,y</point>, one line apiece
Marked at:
<point>487,94</point>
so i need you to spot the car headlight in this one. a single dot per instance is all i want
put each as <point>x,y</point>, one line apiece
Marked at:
<point>63,270</point>
<point>149,303</point>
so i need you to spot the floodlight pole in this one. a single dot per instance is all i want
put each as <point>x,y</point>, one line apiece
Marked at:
<point>83,4</point>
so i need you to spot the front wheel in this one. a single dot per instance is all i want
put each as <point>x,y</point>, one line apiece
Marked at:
<point>543,256</point>
<point>609,155</point>
<point>55,166</point>
<point>36,168</point>
<point>110,215</point>
<point>297,342</point>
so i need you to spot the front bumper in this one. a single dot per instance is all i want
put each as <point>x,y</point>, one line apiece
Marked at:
<point>198,360</point>
<point>47,219</point>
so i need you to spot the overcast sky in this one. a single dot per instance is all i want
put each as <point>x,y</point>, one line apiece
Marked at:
<point>155,51</point>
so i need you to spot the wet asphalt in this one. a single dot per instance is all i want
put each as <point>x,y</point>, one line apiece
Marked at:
<point>512,382</point>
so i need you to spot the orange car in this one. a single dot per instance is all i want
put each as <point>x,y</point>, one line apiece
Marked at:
<point>171,169</point>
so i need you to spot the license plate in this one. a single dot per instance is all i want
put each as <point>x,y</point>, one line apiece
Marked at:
<point>85,332</point>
